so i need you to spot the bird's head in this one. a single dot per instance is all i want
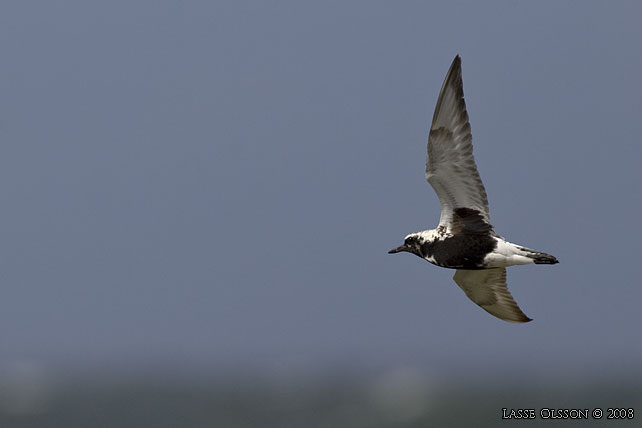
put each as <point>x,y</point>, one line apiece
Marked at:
<point>411,244</point>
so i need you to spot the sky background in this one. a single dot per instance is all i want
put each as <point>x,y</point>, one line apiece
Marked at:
<point>218,183</point>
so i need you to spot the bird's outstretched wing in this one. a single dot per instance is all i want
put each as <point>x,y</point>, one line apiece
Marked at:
<point>450,166</point>
<point>487,288</point>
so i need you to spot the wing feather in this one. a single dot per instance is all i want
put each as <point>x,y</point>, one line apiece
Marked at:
<point>450,165</point>
<point>488,289</point>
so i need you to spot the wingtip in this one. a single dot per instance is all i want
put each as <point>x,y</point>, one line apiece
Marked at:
<point>454,73</point>
<point>456,62</point>
<point>521,320</point>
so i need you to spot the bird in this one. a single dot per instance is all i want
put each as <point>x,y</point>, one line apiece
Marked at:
<point>464,239</point>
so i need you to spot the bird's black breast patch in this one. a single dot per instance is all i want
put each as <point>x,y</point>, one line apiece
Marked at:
<point>462,251</point>
<point>471,240</point>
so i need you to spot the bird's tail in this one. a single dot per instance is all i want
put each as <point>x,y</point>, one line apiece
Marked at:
<point>540,258</point>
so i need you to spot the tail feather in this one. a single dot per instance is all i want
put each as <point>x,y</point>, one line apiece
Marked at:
<point>542,258</point>
<point>538,257</point>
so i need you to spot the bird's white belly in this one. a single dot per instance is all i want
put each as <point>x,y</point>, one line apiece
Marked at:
<point>506,254</point>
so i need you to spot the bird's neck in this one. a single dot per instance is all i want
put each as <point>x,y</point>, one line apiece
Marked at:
<point>431,234</point>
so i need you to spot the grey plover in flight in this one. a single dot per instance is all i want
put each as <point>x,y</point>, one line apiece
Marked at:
<point>465,239</point>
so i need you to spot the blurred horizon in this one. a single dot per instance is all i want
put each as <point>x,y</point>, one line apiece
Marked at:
<point>348,397</point>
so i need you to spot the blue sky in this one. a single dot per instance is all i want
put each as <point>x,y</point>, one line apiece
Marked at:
<point>219,182</point>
